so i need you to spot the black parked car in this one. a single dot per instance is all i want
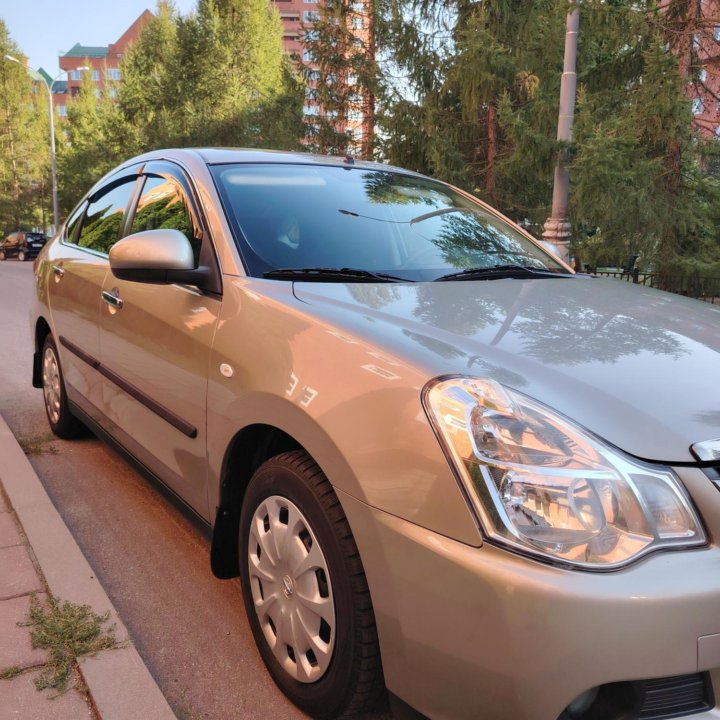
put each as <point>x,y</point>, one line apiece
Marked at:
<point>24,245</point>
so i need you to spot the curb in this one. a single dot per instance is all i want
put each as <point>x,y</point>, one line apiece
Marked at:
<point>118,680</point>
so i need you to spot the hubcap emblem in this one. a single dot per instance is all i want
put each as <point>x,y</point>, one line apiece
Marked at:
<point>288,587</point>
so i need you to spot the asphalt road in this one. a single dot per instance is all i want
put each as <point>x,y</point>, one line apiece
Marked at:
<point>152,560</point>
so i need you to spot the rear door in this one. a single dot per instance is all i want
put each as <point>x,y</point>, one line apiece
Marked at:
<point>77,266</point>
<point>155,343</point>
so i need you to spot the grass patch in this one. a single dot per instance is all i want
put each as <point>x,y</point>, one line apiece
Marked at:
<point>10,673</point>
<point>37,444</point>
<point>68,631</point>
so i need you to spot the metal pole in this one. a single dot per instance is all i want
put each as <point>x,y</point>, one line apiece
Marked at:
<point>557,228</point>
<point>53,161</point>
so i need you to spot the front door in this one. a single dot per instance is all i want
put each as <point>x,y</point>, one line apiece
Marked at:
<point>155,343</point>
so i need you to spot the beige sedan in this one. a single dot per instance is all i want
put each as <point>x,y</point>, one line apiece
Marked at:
<point>447,470</point>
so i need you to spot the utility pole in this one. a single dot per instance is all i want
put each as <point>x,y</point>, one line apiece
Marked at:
<point>557,227</point>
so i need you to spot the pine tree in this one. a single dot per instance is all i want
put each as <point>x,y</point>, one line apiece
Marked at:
<point>343,76</point>
<point>147,95</point>
<point>482,112</point>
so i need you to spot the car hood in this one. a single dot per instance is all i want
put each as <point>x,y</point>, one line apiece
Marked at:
<point>636,366</point>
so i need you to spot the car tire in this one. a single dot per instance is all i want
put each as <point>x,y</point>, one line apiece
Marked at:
<point>306,597</point>
<point>62,422</point>
<point>22,257</point>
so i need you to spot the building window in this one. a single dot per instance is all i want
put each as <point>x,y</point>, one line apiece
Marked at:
<point>311,16</point>
<point>311,110</point>
<point>311,35</point>
<point>357,23</point>
<point>76,74</point>
<point>112,92</point>
<point>113,74</point>
<point>62,110</point>
<point>311,2</point>
<point>698,106</point>
<point>313,76</point>
<point>702,75</point>
<point>355,116</point>
<point>74,91</point>
<point>307,56</point>
<point>96,75</point>
<point>716,33</point>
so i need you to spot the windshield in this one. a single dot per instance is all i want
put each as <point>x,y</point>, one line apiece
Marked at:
<point>312,216</point>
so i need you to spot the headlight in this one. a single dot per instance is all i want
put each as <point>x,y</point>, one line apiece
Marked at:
<point>543,485</point>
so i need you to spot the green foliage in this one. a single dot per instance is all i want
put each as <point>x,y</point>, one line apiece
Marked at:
<point>215,77</point>
<point>24,145</point>
<point>478,106</point>
<point>96,137</point>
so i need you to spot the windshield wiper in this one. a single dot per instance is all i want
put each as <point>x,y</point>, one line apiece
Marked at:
<point>325,274</point>
<point>502,271</point>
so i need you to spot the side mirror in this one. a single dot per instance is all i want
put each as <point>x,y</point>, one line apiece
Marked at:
<point>156,256</point>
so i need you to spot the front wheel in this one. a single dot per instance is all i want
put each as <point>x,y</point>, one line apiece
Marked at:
<point>305,590</point>
<point>62,422</point>
<point>22,257</point>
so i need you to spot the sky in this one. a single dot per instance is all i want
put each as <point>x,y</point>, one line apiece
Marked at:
<point>44,28</point>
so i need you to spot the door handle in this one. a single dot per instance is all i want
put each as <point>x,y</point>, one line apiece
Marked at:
<point>58,271</point>
<point>112,298</point>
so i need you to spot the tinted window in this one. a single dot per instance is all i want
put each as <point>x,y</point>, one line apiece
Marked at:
<point>163,205</point>
<point>73,224</point>
<point>104,217</point>
<point>294,216</point>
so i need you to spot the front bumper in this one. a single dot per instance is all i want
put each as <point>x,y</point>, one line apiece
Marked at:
<point>485,634</point>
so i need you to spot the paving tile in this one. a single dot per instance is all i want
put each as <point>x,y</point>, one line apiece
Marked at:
<point>20,700</point>
<point>15,647</point>
<point>17,574</point>
<point>9,533</point>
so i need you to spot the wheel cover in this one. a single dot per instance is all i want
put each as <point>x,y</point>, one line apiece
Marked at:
<point>51,384</point>
<point>291,590</point>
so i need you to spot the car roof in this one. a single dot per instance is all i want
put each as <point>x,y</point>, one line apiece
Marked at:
<point>221,156</point>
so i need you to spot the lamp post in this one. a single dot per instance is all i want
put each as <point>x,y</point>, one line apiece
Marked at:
<point>35,75</point>
<point>557,227</point>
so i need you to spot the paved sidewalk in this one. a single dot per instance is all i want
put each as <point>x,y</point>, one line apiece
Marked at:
<point>39,556</point>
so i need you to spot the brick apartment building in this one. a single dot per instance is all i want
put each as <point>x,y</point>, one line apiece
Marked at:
<point>102,61</point>
<point>704,59</point>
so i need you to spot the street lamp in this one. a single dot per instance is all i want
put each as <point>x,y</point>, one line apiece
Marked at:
<point>35,75</point>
